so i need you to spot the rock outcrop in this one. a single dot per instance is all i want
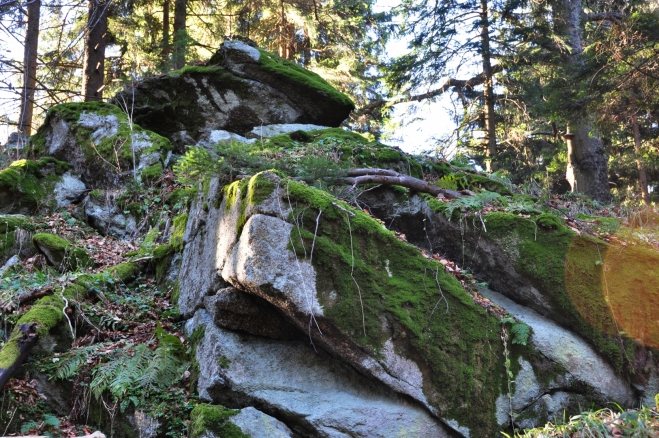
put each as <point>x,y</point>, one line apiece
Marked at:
<point>101,144</point>
<point>241,88</point>
<point>375,304</point>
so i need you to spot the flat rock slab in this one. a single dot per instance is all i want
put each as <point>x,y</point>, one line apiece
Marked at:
<point>311,392</point>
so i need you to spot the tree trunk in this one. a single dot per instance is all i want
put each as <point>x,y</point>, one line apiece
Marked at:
<point>165,32</point>
<point>642,176</point>
<point>93,80</point>
<point>180,33</point>
<point>488,90</point>
<point>29,67</point>
<point>587,162</point>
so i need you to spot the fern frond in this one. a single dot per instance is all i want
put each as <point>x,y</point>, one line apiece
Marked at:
<point>520,332</point>
<point>70,363</point>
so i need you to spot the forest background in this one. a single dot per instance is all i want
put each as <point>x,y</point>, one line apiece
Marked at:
<point>550,93</point>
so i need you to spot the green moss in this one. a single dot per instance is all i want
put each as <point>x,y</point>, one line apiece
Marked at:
<point>61,252</point>
<point>176,294</point>
<point>603,224</point>
<point>7,242</point>
<point>550,221</point>
<point>10,351</point>
<point>124,272</point>
<point>150,238</point>
<point>214,418</point>
<point>181,197</point>
<point>300,77</point>
<point>24,185</point>
<point>46,313</point>
<point>152,172</point>
<point>322,135</point>
<point>360,264</point>
<point>162,251</point>
<point>567,269</point>
<point>483,182</point>
<point>162,256</point>
<point>259,189</point>
<point>252,191</point>
<point>75,291</point>
<point>179,223</point>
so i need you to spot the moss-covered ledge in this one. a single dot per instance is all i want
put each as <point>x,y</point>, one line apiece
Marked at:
<point>586,281</point>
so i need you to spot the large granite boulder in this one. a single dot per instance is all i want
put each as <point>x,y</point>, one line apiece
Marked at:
<point>241,88</point>
<point>101,144</point>
<point>605,294</point>
<point>374,303</point>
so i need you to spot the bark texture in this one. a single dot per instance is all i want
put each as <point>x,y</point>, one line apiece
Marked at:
<point>30,67</point>
<point>95,39</point>
<point>488,90</point>
<point>180,33</point>
<point>587,165</point>
<point>642,176</point>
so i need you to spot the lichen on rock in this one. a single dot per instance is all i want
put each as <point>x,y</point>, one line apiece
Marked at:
<point>101,142</point>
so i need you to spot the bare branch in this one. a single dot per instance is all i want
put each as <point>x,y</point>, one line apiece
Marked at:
<point>455,84</point>
<point>606,16</point>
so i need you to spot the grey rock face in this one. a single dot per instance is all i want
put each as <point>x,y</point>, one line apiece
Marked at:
<point>69,190</point>
<point>272,130</point>
<point>236,310</point>
<point>211,138</point>
<point>256,424</point>
<point>16,142</point>
<point>204,254</point>
<point>570,351</point>
<point>313,393</point>
<point>103,214</point>
<point>104,149</point>
<point>145,425</point>
<point>261,259</point>
<point>236,94</point>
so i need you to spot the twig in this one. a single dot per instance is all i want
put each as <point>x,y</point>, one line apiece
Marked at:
<point>352,270</point>
<point>315,233</point>
<point>66,304</point>
<point>441,293</point>
<point>348,212</point>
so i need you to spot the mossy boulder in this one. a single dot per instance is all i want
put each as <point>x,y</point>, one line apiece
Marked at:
<point>216,421</point>
<point>61,253</point>
<point>580,282</point>
<point>27,186</point>
<point>101,143</point>
<point>241,88</point>
<point>381,306</point>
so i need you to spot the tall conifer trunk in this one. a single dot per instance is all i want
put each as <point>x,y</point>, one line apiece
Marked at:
<point>180,34</point>
<point>488,89</point>
<point>165,32</point>
<point>587,162</point>
<point>642,176</point>
<point>93,80</point>
<point>29,67</point>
